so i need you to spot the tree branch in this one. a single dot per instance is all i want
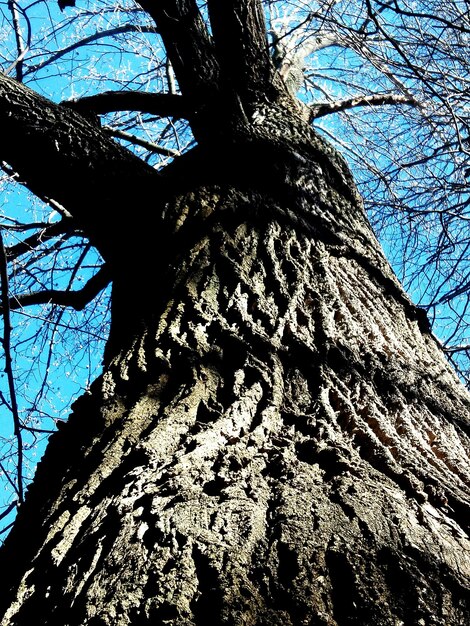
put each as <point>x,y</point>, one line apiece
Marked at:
<point>13,504</point>
<point>239,32</point>
<point>35,240</point>
<point>292,44</point>
<point>112,32</point>
<point>379,99</point>
<point>454,349</point>
<point>62,156</point>
<point>188,45</point>
<point>432,17</point>
<point>9,369</point>
<point>74,299</point>
<point>161,104</point>
<point>21,47</point>
<point>148,145</point>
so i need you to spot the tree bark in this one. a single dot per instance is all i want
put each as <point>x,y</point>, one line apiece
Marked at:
<point>63,156</point>
<point>277,438</point>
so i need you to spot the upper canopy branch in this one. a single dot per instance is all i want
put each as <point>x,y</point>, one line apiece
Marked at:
<point>239,32</point>
<point>188,44</point>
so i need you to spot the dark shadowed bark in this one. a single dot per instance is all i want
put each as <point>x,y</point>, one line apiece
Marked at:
<point>63,156</point>
<point>277,438</point>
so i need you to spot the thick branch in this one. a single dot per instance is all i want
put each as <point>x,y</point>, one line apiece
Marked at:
<point>188,44</point>
<point>239,32</point>
<point>161,104</point>
<point>291,59</point>
<point>12,505</point>
<point>75,299</point>
<point>319,110</point>
<point>61,155</point>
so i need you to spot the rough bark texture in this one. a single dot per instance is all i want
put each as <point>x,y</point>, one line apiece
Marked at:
<point>277,438</point>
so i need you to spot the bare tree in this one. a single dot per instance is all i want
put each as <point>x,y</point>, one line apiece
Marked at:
<point>277,437</point>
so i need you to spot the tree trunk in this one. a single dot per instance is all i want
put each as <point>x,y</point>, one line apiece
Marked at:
<point>276,439</point>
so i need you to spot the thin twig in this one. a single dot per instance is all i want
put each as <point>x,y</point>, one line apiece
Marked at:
<point>9,366</point>
<point>112,32</point>
<point>8,477</point>
<point>376,99</point>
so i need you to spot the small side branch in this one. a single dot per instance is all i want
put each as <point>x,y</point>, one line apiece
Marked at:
<point>35,240</point>
<point>379,99</point>
<point>112,32</point>
<point>455,349</point>
<point>148,145</point>
<point>21,47</point>
<point>74,299</point>
<point>9,368</point>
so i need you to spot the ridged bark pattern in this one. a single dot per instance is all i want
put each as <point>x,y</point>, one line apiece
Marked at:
<point>283,442</point>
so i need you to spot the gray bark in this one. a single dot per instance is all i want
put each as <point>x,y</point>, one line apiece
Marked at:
<point>277,438</point>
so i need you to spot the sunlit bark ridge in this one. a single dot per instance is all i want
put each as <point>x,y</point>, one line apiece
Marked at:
<point>277,438</point>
